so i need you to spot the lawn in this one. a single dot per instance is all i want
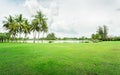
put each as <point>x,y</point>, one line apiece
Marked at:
<point>60,59</point>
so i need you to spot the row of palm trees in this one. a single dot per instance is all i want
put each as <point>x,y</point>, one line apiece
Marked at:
<point>17,26</point>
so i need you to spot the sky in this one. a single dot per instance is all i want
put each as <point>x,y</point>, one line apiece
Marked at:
<point>68,18</point>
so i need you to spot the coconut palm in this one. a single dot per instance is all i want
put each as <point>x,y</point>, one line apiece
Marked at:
<point>11,26</point>
<point>42,24</point>
<point>25,28</point>
<point>39,17</point>
<point>34,28</point>
<point>44,28</point>
<point>7,22</point>
<point>19,20</point>
<point>18,25</point>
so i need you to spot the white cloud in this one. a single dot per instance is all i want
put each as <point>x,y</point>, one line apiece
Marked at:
<point>71,17</point>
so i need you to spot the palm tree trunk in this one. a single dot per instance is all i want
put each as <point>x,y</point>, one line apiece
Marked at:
<point>43,37</point>
<point>34,35</point>
<point>24,40</point>
<point>12,38</point>
<point>15,39</point>
<point>20,37</point>
<point>38,36</point>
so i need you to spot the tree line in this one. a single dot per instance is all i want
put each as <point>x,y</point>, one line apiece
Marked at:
<point>17,26</point>
<point>101,33</point>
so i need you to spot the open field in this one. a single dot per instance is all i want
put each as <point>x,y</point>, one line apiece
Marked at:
<point>60,59</point>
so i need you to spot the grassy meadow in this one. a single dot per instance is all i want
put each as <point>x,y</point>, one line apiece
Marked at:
<point>60,59</point>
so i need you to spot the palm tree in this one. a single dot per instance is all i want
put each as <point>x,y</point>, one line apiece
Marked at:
<point>39,17</point>
<point>19,20</point>
<point>42,24</point>
<point>18,25</point>
<point>34,28</point>
<point>7,22</point>
<point>11,26</point>
<point>26,28</point>
<point>44,28</point>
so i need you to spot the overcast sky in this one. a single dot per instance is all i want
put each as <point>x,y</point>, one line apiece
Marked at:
<point>68,17</point>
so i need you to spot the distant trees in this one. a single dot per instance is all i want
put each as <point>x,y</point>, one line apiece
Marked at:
<point>96,36</point>
<point>4,37</point>
<point>102,33</point>
<point>105,35</point>
<point>115,38</point>
<point>18,25</point>
<point>51,36</point>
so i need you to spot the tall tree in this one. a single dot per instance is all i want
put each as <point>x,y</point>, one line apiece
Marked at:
<point>105,32</point>
<point>101,32</point>
<point>42,24</point>
<point>11,26</point>
<point>19,20</point>
<point>26,28</point>
<point>18,25</point>
<point>44,28</point>
<point>6,24</point>
<point>34,28</point>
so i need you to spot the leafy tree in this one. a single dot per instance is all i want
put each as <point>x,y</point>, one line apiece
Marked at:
<point>102,32</point>
<point>26,28</point>
<point>17,25</point>
<point>34,28</point>
<point>11,26</point>
<point>42,23</point>
<point>96,36</point>
<point>44,28</point>
<point>19,20</point>
<point>3,37</point>
<point>51,36</point>
<point>105,32</point>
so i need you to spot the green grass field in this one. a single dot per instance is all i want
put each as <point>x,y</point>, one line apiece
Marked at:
<point>60,59</point>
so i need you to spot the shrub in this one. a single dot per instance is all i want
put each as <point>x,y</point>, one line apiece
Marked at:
<point>50,41</point>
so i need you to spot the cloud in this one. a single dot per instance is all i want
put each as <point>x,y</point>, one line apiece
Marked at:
<point>33,6</point>
<point>50,11</point>
<point>69,17</point>
<point>78,17</point>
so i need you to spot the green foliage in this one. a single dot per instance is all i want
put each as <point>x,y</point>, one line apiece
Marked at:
<point>4,37</point>
<point>39,24</point>
<point>50,41</point>
<point>17,25</point>
<point>96,36</point>
<point>51,36</point>
<point>115,38</point>
<point>102,34</point>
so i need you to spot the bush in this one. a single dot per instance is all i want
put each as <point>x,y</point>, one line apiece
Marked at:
<point>86,41</point>
<point>95,41</point>
<point>50,41</point>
